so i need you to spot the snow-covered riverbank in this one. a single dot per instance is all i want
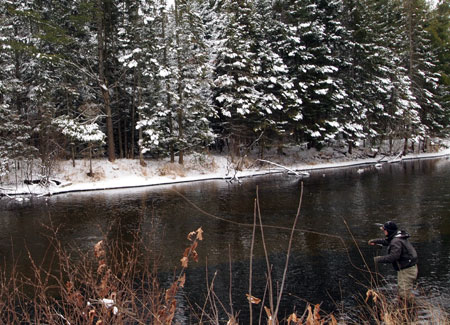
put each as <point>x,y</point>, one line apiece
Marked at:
<point>125,173</point>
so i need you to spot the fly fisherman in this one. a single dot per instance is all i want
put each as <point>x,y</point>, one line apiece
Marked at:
<point>401,254</point>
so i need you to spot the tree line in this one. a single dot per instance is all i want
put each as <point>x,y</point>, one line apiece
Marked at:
<point>137,78</point>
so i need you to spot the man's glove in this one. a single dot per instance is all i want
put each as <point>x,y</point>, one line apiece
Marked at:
<point>377,259</point>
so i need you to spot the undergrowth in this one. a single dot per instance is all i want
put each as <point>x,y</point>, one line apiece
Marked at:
<point>172,169</point>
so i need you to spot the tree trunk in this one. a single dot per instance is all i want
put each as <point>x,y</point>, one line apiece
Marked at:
<point>169,98</point>
<point>109,128</point>
<point>91,173</point>
<point>180,136</point>
<point>139,102</point>
<point>410,59</point>
<point>119,136</point>
<point>261,149</point>
<point>125,139</point>
<point>180,90</point>
<point>405,146</point>
<point>133,113</point>
<point>141,152</point>
<point>425,146</point>
<point>410,10</point>
<point>72,146</point>
<point>171,145</point>
<point>103,83</point>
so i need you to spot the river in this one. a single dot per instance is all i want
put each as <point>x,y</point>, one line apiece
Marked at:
<point>346,203</point>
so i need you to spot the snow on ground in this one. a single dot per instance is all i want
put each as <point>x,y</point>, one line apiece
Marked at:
<point>124,173</point>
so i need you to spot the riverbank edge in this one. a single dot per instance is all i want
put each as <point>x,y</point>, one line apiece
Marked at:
<point>302,170</point>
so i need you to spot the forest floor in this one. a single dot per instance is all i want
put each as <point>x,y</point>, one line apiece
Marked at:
<point>124,173</point>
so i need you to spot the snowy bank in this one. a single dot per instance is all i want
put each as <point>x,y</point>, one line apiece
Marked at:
<point>127,173</point>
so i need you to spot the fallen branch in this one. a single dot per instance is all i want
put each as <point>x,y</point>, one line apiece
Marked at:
<point>241,159</point>
<point>396,158</point>
<point>284,167</point>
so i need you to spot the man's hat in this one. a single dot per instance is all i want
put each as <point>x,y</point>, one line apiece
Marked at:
<point>390,227</point>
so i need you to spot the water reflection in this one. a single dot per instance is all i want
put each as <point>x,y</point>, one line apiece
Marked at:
<point>415,194</point>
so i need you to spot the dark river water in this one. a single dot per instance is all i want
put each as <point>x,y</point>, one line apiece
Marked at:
<point>345,203</point>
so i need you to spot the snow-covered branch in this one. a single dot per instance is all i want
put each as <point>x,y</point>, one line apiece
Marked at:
<point>289,170</point>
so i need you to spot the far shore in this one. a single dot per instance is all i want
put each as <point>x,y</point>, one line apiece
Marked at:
<point>126,173</point>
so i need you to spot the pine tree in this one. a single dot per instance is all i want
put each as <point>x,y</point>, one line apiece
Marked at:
<point>103,14</point>
<point>278,106</point>
<point>25,84</point>
<point>15,137</point>
<point>192,83</point>
<point>156,120</point>
<point>215,19</point>
<point>236,75</point>
<point>315,66</point>
<point>137,54</point>
<point>382,85</point>
<point>349,118</point>
<point>361,70</point>
<point>439,29</point>
<point>176,118</point>
<point>420,62</point>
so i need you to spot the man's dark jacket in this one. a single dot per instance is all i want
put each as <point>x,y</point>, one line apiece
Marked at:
<point>400,252</point>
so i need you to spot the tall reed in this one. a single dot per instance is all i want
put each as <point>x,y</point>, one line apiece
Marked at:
<point>114,283</point>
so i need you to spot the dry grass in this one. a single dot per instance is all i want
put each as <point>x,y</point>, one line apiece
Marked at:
<point>172,169</point>
<point>381,307</point>
<point>115,283</point>
<point>202,162</point>
<point>144,172</point>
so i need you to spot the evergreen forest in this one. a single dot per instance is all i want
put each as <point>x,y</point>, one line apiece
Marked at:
<point>147,78</point>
